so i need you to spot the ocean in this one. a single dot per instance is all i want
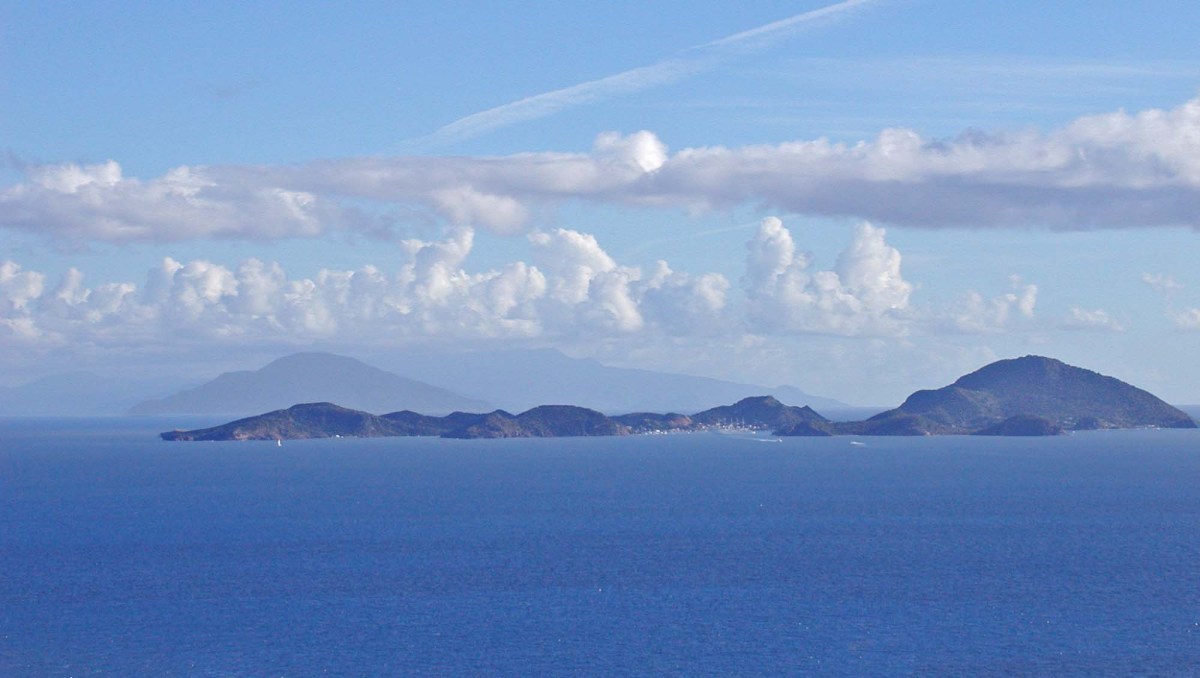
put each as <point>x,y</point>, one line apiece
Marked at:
<point>695,554</point>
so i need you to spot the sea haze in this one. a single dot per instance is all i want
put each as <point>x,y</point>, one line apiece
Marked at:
<point>683,554</point>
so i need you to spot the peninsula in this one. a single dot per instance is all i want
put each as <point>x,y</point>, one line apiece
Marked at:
<point>1029,396</point>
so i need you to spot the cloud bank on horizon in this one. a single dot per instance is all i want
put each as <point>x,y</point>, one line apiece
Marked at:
<point>573,290</point>
<point>1112,170</point>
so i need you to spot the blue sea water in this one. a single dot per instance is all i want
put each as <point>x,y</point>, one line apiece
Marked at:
<point>689,555</point>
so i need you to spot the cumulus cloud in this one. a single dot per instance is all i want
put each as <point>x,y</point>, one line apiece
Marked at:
<point>573,288</point>
<point>975,314</point>
<point>586,285</point>
<point>17,287</point>
<point>573,259</point>
<point>642,150</point>
<point>864,294</point>
<point>1114,170</point>
<point>685,305</point>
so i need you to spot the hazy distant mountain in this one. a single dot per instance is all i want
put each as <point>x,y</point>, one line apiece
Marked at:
<point>520,379</point>
<point>80,394</point>
<point>306,378</point>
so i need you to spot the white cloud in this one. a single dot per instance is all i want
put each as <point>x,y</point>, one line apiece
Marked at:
<point>572,290</point>
<point>17,287</point>
<point>71,291</point>
<point>572,259</point>
<point>974,314</point>
<point>97,203</point>
<point>864,295</point>
<point>70,179</point>
<point>641,150</point>
<point>870,268</point>
<point>259,284</point>
<point>1187,319</point>
<point>1163,284</point>
<point>1104,171</point>
<point>466,206</point>
<point>1096,320</point>
<point>587,287</point>
<point>1113,170</point>
<point>681,304</point>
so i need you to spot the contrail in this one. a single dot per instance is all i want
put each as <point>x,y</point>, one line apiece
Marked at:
<point>689,62</point>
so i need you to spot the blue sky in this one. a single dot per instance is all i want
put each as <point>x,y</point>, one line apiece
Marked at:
<point>860,198</point>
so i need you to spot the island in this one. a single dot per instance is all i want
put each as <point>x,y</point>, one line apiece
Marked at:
<point>327,420</point>
<point>1029,396</point>
<point>1032,395</point>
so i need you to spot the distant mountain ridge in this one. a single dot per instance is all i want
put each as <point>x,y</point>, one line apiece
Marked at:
<point>310,377</point>
<point>81,394</point>
<point>437,383</point>
<point>519,379</point>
